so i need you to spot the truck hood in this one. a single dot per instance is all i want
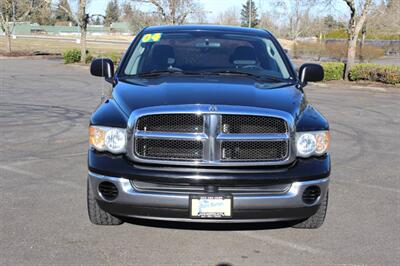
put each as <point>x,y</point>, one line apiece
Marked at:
<point>240,91</point>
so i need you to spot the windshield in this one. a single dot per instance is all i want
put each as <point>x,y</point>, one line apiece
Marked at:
<point>205,53</point>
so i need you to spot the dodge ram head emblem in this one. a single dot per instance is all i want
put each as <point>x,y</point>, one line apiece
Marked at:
<point>212,108</point>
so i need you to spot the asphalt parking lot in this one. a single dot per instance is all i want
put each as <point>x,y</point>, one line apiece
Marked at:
<point>44,112</point>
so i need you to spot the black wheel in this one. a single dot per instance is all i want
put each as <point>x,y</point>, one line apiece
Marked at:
<point>317,219</point>
<point>97,215</point>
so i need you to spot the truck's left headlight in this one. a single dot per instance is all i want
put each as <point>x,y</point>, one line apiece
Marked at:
<point>108,139</point>
<point>312,143</point>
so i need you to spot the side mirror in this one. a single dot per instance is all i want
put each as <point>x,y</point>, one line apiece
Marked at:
<point>102,67</point>
<point>311,72</point>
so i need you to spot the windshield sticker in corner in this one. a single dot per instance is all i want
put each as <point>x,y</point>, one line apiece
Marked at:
<point>152,37</point>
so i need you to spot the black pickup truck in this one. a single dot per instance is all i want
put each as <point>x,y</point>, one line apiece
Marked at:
<point>207,124</point>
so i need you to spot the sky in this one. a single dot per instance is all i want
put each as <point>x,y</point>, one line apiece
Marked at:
<point>214,7</point>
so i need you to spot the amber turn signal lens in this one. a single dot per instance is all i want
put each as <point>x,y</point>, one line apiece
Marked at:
<point>96,137</point>
<point>109,139</point>
<point>323,142</point>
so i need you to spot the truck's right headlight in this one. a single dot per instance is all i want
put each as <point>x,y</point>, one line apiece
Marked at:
<point>107,139</point>
<point>312,143</point>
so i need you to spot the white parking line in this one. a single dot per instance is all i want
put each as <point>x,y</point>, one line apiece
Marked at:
<point>280,242</point>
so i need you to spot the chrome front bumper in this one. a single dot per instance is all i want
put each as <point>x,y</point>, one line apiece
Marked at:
<point>175,207</point>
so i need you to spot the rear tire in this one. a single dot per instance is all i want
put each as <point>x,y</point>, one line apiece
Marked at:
<point>97,215</point>
<point>315,221</point>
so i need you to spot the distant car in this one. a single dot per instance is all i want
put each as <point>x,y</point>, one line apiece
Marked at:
<point>207,124</point>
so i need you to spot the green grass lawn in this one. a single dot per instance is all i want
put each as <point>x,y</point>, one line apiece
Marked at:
<point>58,46</point>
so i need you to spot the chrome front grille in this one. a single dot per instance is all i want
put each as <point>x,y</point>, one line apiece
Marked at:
<point>168,149</point>
<point>187,188</point>
<point>211,136</point>
<point>189,123</point>
<point>251,124</point>
<point>254,150</point>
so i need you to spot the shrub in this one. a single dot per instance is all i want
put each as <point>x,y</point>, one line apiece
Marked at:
<point>387,74</point>
<point>333,50</point>
<point>369,52</point>
<point>307,49</point>
<point>371,35</point>
<point>337,34</point>
<point>115,57</point>
<point>336,50</point>
<point>378,35</point>
<point>72,56</point>
<point>89,58</point>
<point>333,70</point>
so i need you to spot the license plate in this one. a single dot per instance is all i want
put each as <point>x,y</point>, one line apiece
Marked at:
<point>211,206</point>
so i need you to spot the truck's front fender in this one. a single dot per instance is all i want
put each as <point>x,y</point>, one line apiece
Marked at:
<point>311,120</point>
<point>109,114</point>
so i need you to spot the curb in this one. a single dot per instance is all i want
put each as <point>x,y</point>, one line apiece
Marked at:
<point>32,57</point>
<point>352,87</point>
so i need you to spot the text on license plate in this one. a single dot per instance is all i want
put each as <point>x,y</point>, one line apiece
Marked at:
<point>211,206</point>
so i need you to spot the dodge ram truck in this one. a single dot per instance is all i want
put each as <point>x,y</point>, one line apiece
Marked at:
<point>207,124</point>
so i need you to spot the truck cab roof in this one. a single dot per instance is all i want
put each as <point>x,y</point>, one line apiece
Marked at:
<point>194,27</point>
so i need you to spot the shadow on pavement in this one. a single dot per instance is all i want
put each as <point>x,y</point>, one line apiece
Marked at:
<point>208,226</point>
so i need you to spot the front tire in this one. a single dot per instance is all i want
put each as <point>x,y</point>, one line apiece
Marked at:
<point>96,215</point>
<point>315,221</point>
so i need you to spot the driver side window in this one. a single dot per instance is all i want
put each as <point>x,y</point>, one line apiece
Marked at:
<point>133,64</point>
<point>275,60</point>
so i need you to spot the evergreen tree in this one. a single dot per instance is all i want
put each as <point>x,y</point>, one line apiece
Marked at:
<point>97,21</point>
<point>112,13</point>
<point>248,15</point>
<point>330,22</point>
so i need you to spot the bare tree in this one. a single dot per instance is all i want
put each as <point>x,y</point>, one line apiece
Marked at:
<point>230,16</point>
<point>271,17</point>
<point>136,18</point>
<point>267,22</point>
<point>42,13</point>
<point>296,19</point>
<point>384,19</point>
<point>14,11</point>
<point>173,11</point>
<point>298,14</point>
<point>113,13</point>
<point>356,23</point>
<point>82,19</point>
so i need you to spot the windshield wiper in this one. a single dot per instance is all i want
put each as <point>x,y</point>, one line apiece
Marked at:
<point>258,77</point>
<point>175,70</point>
<point>169,70</point>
